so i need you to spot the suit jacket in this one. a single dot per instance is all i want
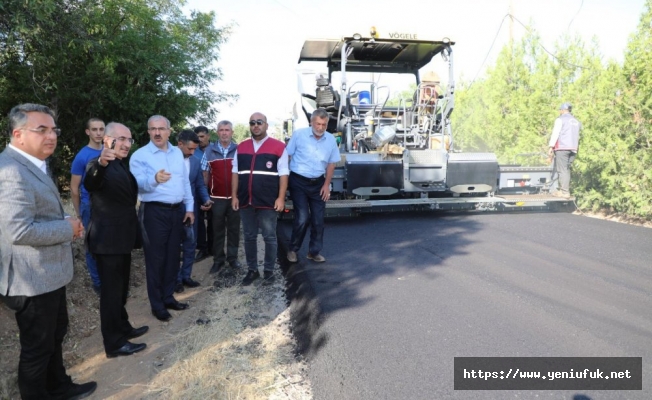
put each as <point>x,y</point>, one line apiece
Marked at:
<point>114,225</point>
<point>35,238</point>
<point>197,185</point>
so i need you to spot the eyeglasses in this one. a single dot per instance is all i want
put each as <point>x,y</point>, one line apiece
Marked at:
<point>160,129</point>
<point>125,139</point>
<point>44,130</point>
<point>256,122</point>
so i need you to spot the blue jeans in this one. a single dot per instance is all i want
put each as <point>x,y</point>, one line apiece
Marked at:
<point>91,265</point>
<point>309,210</point>
<point>189,243</point>
<point>264,219</point>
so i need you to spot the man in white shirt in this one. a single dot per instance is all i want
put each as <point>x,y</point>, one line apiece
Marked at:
<point>564,142</point>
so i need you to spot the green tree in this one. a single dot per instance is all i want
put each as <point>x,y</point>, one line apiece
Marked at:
<point>631,189</point>
<point>115,59</point>
<point>512,109</point>
<point>403,97</point>
<point>241,132</point>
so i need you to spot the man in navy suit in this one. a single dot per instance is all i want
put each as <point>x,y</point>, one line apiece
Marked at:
<point>187,143</point>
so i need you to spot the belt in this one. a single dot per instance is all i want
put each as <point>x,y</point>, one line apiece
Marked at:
<point>308,180</point>
<point>163,205</point>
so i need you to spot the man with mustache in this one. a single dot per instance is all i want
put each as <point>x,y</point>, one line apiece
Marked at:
<point>166,204</point>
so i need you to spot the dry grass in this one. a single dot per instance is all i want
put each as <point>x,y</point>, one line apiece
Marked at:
<point>239,346</point>
<point>240,349</point>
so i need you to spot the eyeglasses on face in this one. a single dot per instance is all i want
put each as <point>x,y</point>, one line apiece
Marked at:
<point>256,122</point>
<point>125,139</point>
<point>42,130</point>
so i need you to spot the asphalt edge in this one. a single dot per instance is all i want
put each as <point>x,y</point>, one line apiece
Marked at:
<point>305,310</point>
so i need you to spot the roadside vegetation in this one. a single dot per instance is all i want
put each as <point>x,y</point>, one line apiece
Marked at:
<point>511,109</point>
<point>117,60</point>
<point>125,60</point>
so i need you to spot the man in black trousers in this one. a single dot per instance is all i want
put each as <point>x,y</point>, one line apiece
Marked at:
<point>36,255</point>
<point>166,203</point>
<point>112,235</point>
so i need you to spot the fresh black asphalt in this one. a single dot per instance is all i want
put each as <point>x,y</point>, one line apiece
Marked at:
<point>402,294</point>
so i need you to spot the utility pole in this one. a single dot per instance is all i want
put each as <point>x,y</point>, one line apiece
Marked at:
<point>511,22</point>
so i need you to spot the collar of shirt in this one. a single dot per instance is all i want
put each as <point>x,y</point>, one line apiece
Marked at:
<point>186,161</point>
<point>258,144</point>
<point>317,138</point>
<point>222,149</point>
<point>40,164</point>
<point>153,149</point>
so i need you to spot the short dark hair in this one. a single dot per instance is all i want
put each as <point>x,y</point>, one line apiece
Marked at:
<point>18,114</point>
<point>201,128</point>
<point>90,120</point>
<point>188,135</point>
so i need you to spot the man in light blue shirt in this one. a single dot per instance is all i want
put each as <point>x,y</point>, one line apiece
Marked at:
<point>166,204</point>
<point>313,155</point>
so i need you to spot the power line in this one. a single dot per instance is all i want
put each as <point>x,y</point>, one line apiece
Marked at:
<point>544,47</point>
<point>573,19</point>
<point>489,52</point>
<point>530,31</point>
<point>291,10</point>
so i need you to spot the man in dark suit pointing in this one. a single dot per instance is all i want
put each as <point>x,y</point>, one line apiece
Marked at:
<point>112,235</point>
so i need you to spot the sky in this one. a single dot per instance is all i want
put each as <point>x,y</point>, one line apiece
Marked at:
<point>259,61</point>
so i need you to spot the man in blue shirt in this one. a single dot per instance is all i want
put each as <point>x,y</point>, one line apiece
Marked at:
<point>188,143</point>
<point>313,154</point>
<point>166,203</point>
<point>81,200</point>
<point>204,227</point>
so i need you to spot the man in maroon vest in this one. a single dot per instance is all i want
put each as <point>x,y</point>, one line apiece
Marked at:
<point>217,165</point>
<point>260,180</point>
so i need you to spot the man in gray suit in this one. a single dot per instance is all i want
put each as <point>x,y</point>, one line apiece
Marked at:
<point>36,254</point>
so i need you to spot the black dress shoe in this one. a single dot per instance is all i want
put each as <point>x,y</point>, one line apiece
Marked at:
<point>235,264</point>
<point>75,391</point>
<point>163,315</point>
<point>268,278</point>
<point>191,283</point>
<point>251,276</point>
<point>216,268</point>
<point>177,306</point>
<point>178,288</point>
<point>126,350</point>
<point>201,254</point>
<point>137,332</point>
